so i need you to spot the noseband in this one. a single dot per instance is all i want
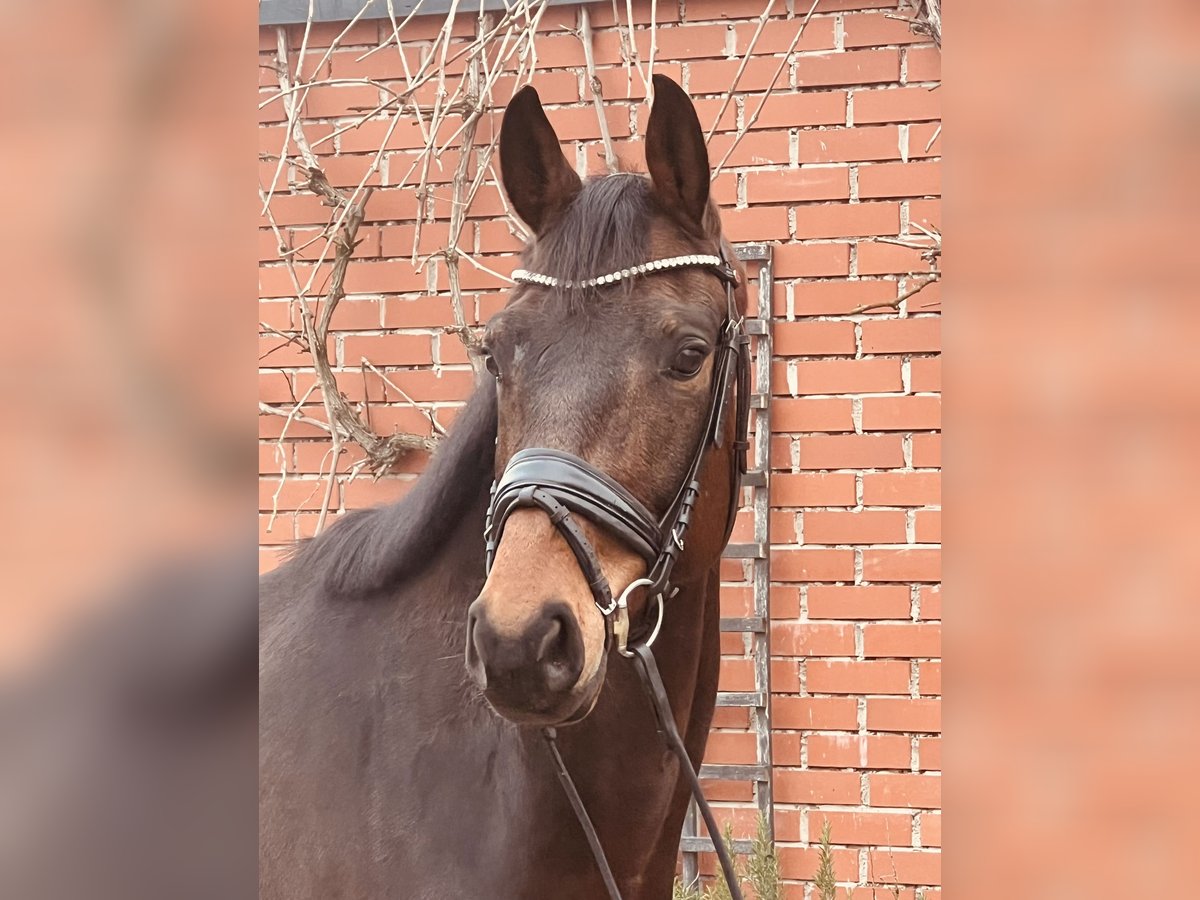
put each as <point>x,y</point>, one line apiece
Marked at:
<point>563,485</point>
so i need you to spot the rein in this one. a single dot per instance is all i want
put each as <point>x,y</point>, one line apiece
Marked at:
<point>564,485</point>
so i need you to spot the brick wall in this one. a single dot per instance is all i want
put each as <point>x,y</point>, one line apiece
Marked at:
<point>842,152</point>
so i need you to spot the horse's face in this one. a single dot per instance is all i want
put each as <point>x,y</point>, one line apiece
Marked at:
<point>619,376</point>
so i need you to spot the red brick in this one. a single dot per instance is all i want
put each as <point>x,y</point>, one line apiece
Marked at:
<point>388,349</point>
<point>299,209</point>
<point>792,185</point>
<point>902,488</point>
<point>417,312</point>
<point>337,100</point>
<point>906,790</point>
<point>925,374</point>
<point>848,751</point>
<point>293,494</point>
<point>917,564</point>
<point>714,76</point>
<point>906,335</point>
<point>730,748</point>
<point>808,713</point>
<point>931,829</point>
<point>914,179</point>
<point>785,679</point>
<point>814,339</point>
<point>897,104</point>
<point>929,677</point>
<point>928,527</point>
<point>813,489</point>
<point>812,565</point>
<point>384,278</point>
<point>802,863</point>
<point>901,413</point>
<point>926,213</point>
<point>924,64</point>
<point>824,298</point>
<point>807,415</point>
<point>850,376</point>
<point>847,220</point>
<point>800,109</point>
<point>805,639</point>
<point>929,754</point>
<point>798,786</point>
<point>880,258</point>
<point>275,352</point>
<point>811,260</point>
<point>826,676</point>
<point>552,87</point>
<point>603,17</point>
<point>448,385</point>
<point>904,714</point>
<point>356,315</point>
<point>849,67</point>
<point>905,866</point>
<point>759,224</point>
<point>863,527</point>
<point>883,601</point>
<point>582,123</point>
<point>277,314</point>
<point>921,136</point>
<point>878,29</point>
<point>866,829</point>
<point>691,41</point>
<point>902,640</point>
<point>851,451</point>
<point>777,36</point>
<point>862,143</point>
<point>756,148</point>
<point>927,451</point>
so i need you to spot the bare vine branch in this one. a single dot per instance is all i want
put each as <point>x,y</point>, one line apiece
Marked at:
<point>741,132</point>
<point>597,90</point>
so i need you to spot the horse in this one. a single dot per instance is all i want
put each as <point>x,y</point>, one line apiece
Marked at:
<point>409,672</point>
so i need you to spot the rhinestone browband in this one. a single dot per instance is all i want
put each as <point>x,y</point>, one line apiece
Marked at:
<point>524,276</point>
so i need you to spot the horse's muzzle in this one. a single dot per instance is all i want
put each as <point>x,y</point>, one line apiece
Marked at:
<point>529,673</point>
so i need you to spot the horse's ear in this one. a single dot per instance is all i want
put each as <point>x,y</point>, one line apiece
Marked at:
<point>537,177</point>
<point>676,155</point>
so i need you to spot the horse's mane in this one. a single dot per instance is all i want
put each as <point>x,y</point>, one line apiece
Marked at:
<point>605,228</point>
<point>371,549</point>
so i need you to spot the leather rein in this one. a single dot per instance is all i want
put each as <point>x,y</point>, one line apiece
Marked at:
<point>565,486</point>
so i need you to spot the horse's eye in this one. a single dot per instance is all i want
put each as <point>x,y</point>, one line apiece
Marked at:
<point>689,360</point>
<point>489,362</point>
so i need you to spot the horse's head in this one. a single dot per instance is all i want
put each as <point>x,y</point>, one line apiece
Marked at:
<point>619,375</point>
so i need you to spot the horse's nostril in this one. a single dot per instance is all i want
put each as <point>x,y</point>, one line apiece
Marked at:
<point>551,649</point>
<point>560,651</point>
<point>475,665</point>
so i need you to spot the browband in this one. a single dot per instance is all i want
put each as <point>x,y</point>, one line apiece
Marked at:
<point>524,276</point>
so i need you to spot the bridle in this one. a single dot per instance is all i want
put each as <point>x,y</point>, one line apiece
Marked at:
<point>563,485</point>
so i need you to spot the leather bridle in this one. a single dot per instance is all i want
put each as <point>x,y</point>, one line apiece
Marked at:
<point>565,486</point>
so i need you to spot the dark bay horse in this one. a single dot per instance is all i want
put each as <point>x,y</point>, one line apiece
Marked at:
<point>391,769</point>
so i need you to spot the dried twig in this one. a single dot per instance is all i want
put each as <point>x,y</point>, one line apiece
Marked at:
<point>895,304</point>
<point>741,132</point>
<point>737,76</point>
<point>585,37</point>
